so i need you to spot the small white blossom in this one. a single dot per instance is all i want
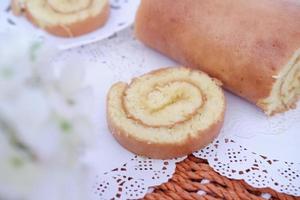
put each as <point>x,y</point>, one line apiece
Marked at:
<point>46,122</point>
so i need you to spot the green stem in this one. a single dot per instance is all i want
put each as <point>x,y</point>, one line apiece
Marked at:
<point>14,140</point>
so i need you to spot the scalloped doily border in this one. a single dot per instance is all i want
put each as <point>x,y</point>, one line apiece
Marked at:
<point>237,162</point>
<point>135,178</point>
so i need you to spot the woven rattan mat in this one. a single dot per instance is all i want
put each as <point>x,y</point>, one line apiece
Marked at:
<point>193,175</point>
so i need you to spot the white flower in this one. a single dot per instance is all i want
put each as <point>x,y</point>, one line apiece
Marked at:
<point>18,173</point>
<point>71,77</point>
<point>46,122</point>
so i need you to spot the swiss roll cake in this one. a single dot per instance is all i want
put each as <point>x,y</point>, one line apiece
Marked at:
<point>253,47</point>
<point>166,113</point>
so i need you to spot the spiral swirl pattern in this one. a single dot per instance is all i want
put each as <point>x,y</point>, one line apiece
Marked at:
<point>66,18</point>
<point>166,113</point>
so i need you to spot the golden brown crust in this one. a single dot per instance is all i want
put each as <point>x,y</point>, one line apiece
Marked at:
<point>242,43</point>
<point>82,27</point>
<point>75,29</point>
<point>165,150</point>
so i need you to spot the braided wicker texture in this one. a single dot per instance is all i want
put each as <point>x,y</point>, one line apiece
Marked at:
<point>193,175</point>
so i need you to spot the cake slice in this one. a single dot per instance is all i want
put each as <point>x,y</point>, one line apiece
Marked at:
<point>166,113</point>
<point>65,18</point>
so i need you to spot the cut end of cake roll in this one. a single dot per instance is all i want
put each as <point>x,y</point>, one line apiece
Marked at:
<point>64,18</point>
<point>286,89</point>
<point>166,113</point>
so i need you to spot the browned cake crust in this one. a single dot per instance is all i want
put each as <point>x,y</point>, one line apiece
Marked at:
<point>165,151</point>
<point>160,149</point>
<point>67,30</point>
<point>248,45</point>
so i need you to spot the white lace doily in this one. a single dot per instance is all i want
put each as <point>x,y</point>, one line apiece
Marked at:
<point>121,16</point>
<point>263,151</point>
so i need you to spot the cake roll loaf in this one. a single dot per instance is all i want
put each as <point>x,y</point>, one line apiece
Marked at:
<point>166,113</point>
<point>251,46</point>
<point>65,18</point>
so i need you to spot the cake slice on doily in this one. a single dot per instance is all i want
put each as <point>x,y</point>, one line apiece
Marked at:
<point>166,113</point>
